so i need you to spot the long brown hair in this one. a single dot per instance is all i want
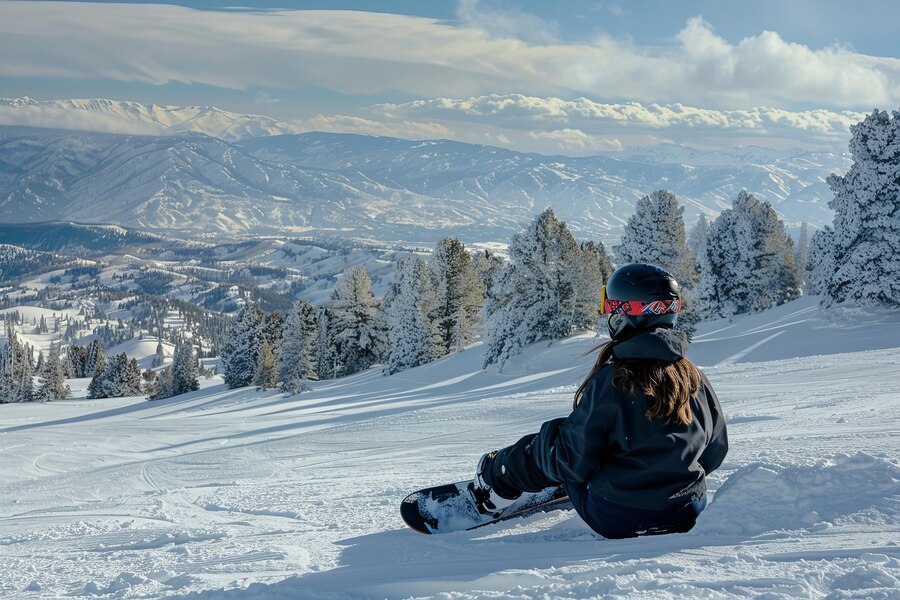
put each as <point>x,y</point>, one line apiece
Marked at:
<point>669,386</point>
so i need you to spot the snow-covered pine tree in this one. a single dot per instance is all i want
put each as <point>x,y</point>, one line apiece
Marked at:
<point>488,266</point>
<point>594,269</point>
<point>295,365</point>
<point>241,350</point>
<point>324,350</point>
<point>459,295</point>
<point>163,384</point>
<point>8,384</point>
<point>820,265</point>
<point>535,297</point>
<point>95,359</point>
<point>273,331</point>
<point>801,251</point>
<point>774,278</point>
<point>23,369</point>
<point>160,356</point>
<point>655,235</point>
<point>749,261</point>
<point>866,203</point>
<point>352,324</point>
<point>266,376</point>
<point>185,371</point>
<point>133,380</point>
<point>697,241</point>
<point>414,336</point>
<point>721,278</point>
<point>78,357</point>
<point>150,383</point>
<point>52,384</point>
<point>39,367</point>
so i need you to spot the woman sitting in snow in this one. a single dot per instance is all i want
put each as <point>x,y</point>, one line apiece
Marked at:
<point>646,428</point>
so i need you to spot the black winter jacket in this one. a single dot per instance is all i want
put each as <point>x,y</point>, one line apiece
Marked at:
<point>608,441</point>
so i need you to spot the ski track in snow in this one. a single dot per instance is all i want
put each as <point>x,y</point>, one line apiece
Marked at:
<point>244,494</point>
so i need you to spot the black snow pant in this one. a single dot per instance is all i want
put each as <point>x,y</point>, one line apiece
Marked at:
<point>616,521</point>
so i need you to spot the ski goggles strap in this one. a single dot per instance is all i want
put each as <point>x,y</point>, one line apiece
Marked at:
<point>638,308</point>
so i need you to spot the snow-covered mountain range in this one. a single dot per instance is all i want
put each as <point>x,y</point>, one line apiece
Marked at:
<point>380,188</point>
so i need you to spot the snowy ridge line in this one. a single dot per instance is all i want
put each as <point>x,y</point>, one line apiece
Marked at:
<point>354,186</point>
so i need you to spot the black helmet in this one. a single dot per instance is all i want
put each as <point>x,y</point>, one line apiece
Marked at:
<point>639,296</point>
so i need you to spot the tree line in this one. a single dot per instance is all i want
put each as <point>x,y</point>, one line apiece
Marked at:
<point>548,288</point>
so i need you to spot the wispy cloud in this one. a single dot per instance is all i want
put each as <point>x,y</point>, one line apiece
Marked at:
<point>369,53</point>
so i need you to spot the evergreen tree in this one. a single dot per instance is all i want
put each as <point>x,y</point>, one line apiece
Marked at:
<point>415,338</point>
<point>655,235</point>
<point>133,380</point>
<point>241,350</point>
<point>536,296</point>
<point>266,376</point>
<point>159,358</point>
<point>697,241</point>
<point>185,370</point>
<point>150,383</point>
<point>596,267</point>
<point>8,384</point>
<point>67,366</point>
<point>78,358</point>
<point>52,384</point>
<point>296,365</point>
<point>866,203</point>
<point>324,351</point>
<point>801,251</point>
<point>273,330</point>
<point>749,260</point>
<point>820,265</point>
<point>459,295</point>
<point>352,324</point>
<point>163,384</point>
<point>95,360</point>
<point>121,377</point>
<point>488,266</point>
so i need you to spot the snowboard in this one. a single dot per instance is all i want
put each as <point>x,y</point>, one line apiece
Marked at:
<point>450,508</point>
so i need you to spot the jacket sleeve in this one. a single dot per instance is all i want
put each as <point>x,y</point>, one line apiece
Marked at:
<point>717,447</point>
<point>565,449</point>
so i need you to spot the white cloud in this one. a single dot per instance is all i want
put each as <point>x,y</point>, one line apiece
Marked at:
<point>576,140</point>
<point>488,52</point>
<point>517,111</point>
<point>353,124</point>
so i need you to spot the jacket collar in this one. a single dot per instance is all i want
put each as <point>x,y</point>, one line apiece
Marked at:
<point>661,343</point>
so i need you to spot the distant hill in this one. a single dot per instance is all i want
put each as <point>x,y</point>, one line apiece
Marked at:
<point>377,188</point>
<point>74,238</point>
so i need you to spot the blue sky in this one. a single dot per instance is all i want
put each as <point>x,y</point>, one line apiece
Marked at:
<point>576,76</point>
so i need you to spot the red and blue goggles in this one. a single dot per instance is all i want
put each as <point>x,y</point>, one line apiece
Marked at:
<point>637,307</point>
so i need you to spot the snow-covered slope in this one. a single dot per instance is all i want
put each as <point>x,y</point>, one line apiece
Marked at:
<point>297,497</point>
<point>369,187</point>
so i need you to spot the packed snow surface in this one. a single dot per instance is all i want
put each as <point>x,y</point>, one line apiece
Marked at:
<point>244,494</point>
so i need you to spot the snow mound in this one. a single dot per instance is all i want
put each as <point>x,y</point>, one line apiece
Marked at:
<point>761,498</point>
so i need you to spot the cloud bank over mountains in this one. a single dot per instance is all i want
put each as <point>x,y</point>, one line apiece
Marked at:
<point>549,125</point>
